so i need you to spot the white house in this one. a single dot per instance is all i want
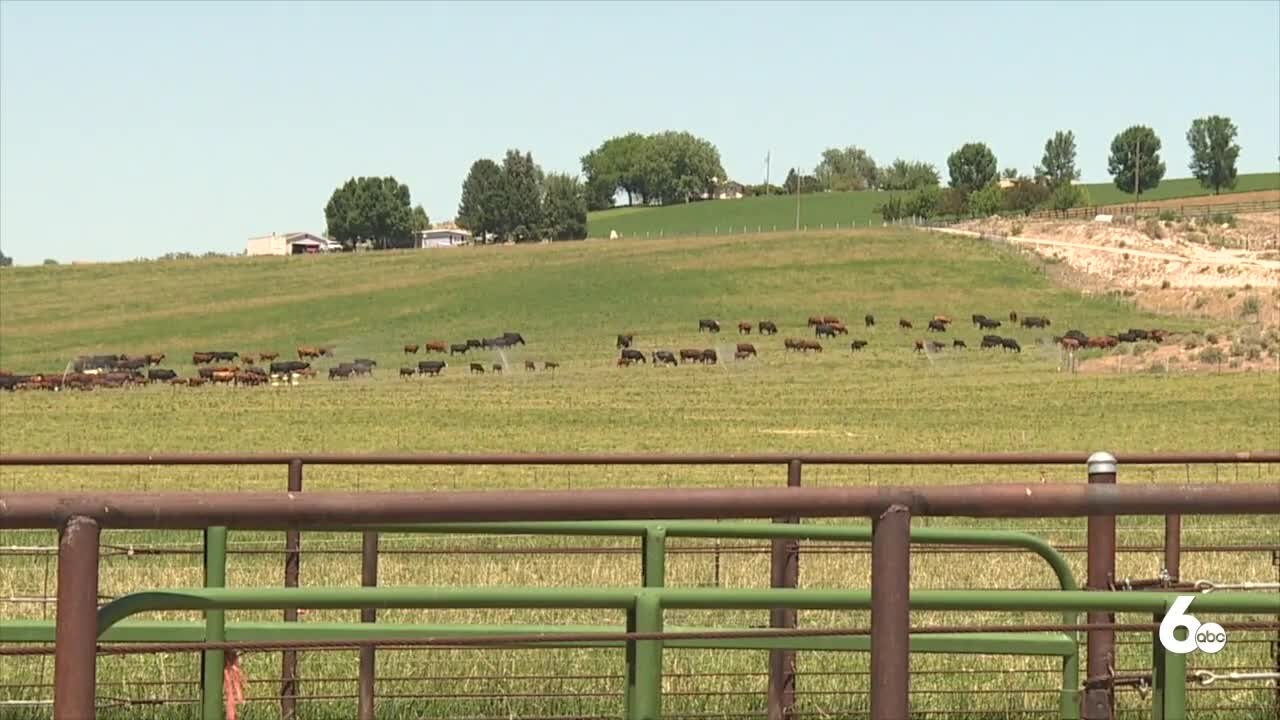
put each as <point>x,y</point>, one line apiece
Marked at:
<point>295,243</point>
<point>441,238</point>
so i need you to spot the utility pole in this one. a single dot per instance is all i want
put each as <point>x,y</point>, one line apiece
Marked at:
<point>767,156</point>
<point>1137,168</point>
<point>798,179</point>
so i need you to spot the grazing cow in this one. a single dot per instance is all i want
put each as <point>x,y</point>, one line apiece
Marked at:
<point>815,319</point>
<point>959,344</point>
<point>365,361</point>
<point>1159,335</point>
<point>477,368</point>
<point>407,372</point>
<point>289,366</point>
<point>459,348</point>
<point>742,355</point>
<point>988,323</point>
<point>904,324</point>
<point>1035,321</point>
<point>513,338</point>
<point>309,352</point>
<point>936,346</point>
<point>1070,344</point>
<point>857,345</point>
<point>530,365</point>
<point>919,346</point>
<point>247,359</point>
<point>439,346</point>
<point>633,355</point>
<point>410,350</point>
<point>992,341</point>
<point>250,379</point>
<point>201,358</point>
<point>869,320</point>
<point>944,319</point>
<point>431,367</point>
<point>268,356</point>
<point>744,328</point>
<point>550,365</point>
<point>807,345</point>
<point>1140,334</point>
<point>978,318</point>
<point>343,371</point>
<point>624,362</point>
<point>824,330</point>
<point>664,357</point>
<point>625,340</point>
<point>766,327</point>
<point>160,375</point>
<point>1077,336</point>
<point>792,343</point>
<point>474,343</point>
<point>155,358</point>
<point>691,355</point>
<point>131,364</point>
<point>709,357</point>
<point>830,320</point>
<point>224,376</point>
<point>1013,316</point>
<point>1102,341</point>
<point>1127,337</point>
<point>1010,344</point>
<point>747,348</point>
<point>497,367</point>
<point>708,325</point>
<point>937,326</point>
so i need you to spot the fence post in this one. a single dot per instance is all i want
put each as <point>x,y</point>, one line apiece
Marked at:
<point>785,573</point>
<point>292,565</point>
<point>891,614</point>
<point>215,576</point>
<point>1173,546</point>
<point>1099,700</point>
<point>646,669</point>
<point>75,660</point>
<point>368,653</point>
<point>653,557</point>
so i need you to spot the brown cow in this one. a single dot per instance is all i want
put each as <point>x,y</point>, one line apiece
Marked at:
<point>904,323</point>
<point>268,356</point>
<point>815,319</point>
<point>624,362</point>
<point>1013,316</point>
<point>154,358</point>
<point>919,346</point>
<point>410,349</point>
<point>839,328</point>
<point>201,358</point>
<point>690,355</point>
<point>223,376</point>
<point>830,320</point>
<point>530,365</point>
<point>305,352</point>
<point>747,348</point>
<point>1103,341</point>
<point>246,359</point>
<point>942,319</point>
<point>744,328</point>
<point>740,355</point>
<point>439,346</point>
<point>807,345</point>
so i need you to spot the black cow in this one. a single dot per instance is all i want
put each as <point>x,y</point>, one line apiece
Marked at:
<point>289,366</point>
<point>361,368</point>
<point>131,364</point>
<point>665,357</point>
<point>958,344</point>
<point>978,318</point>
<point>1035,321</point>
<point>432,367</point>
<point>869,320</point>
<point>936,346</point>
<point>365,361</point>
<point>937,326</point>
<point>474,343</point>
<point>477,368</point>
<point>160,375</point>
<point>857,345</point>
<point>1078,337</point>
<point>992,341</point>
<point>224,355</point>
<point>550,365</point>
<point>1127,337</point>
<point>708,357</point>
<point>633,355</point>
<point>824,330</point>
<point>988,323</point>
<point>497,367</point>
<point>624,341</point>
<point>709,325</point>
<point>343,371</point>
<point>460,348</point>
<point>406,372</point>
<point>1010,344</point>
<point>514,338</point>
<point>767,327</point>
<point>1140,334</point>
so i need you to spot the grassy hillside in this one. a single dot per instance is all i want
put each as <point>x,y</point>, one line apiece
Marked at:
<point>569,300</point>
<point>828,209</point>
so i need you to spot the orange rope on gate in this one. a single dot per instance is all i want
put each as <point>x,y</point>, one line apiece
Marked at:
<point>233,680</point>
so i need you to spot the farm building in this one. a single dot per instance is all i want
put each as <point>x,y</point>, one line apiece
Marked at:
<point>295,243</point>
<point>442,237</point>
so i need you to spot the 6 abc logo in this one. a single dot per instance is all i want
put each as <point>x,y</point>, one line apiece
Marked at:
<point>1209,637</point>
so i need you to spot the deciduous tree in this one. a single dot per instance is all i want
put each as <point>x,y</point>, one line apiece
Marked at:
<point>565,208</point>
<point>1213,152</point>
<point>372,209</point>
<point>849,168</point>
<point>972,167</point>
<point>907,175</point>
<point>1059,162</point>
<point>1136,153</point>
<point>482,200</point>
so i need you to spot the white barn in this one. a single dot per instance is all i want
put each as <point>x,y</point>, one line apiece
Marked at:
<point>295,243</point>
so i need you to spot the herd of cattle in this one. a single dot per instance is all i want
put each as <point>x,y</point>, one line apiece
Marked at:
<point>221,367</point>
<point>829,326</point>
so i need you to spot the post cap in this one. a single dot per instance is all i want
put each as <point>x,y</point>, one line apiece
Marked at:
<point>1101,462</point>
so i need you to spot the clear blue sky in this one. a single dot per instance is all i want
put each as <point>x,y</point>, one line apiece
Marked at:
<point>132,130</point>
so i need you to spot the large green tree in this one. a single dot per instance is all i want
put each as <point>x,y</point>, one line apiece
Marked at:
<point>1027,194</point>
<point>807,183</point>
<point>907,175</point>
<point>1058,165</point>
<point>371,209</point>
<point>1135,160</point>
<point>972,167</point>
<point>419,220</point>
<point>850,168</point>
<point>663,167</point>
<point>5,260</point>
<point>564,208</point>
<point>1213,152</point>
<point>614,166</point>
<point>522,194</point>
<point>482,200</point>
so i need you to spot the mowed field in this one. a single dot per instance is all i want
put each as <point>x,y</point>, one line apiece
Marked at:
<point>569,301</point>
<point>826,210</point>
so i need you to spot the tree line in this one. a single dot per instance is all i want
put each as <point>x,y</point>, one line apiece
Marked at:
<point>1134,164</point>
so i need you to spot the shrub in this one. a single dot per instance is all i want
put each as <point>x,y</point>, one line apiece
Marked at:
<point>1236,350</point>
<point>50,261</point>
<point>892,209</point>
<point>1156,368</point>
<point>1253,353</point>
<point>1015,229</point>
<point>1234,364</point>
<point>1144,347</point>
<point>1230,293</point>
<point>1165,285</point>
<point>1191,343</point>
<point>1212,356</point>
<point>1250,306</point>
<point>1169,216</point>
<point>1223,219</point>
<point>1200,302</point>
<point>1154,230</point>
<point>1212,338</point>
